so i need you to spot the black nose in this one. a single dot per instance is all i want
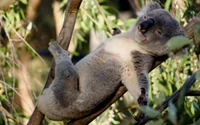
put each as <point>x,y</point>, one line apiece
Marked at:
<point>146,25</point>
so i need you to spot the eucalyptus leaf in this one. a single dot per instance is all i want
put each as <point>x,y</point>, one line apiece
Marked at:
<point>24,1</point>
<point>172,113</point>
<point>177,42</point>
<point>197,76</point>
<point>150,112</point>
<point>197,31</point>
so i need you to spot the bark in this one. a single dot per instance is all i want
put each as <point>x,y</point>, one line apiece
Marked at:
<point>64,40</point>
<point>58,18</point>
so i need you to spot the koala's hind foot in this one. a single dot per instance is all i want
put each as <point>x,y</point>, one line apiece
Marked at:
<point>56,49</point>
<point>142,101</point>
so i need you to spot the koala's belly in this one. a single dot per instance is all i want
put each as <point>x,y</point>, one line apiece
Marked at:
<point>99,76</point>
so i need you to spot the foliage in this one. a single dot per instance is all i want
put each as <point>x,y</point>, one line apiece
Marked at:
<point>14,31</point>
<point>165,79</point>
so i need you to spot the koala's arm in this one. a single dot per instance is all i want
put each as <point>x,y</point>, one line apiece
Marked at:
<point>137,81</point>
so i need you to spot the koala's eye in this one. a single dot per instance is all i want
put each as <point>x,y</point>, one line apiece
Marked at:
<point>144,17</point>
<point>159,32</point>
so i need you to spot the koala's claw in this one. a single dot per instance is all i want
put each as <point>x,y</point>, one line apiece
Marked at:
<point>142,100</point>
<point>140,116</point>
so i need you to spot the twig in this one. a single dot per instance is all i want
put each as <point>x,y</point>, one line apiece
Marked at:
<point>193,93</point>
<point>104,16</point>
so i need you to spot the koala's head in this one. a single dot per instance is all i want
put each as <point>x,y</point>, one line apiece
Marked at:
<point>154,27</point>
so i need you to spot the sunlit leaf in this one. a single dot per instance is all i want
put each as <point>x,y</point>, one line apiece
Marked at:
<point>150,112</point>
<point>172,113</point>
<point>195,105</point>
<point>24,1</point>
<point>167,4</point>
<point>197,76</point>
<point>178,42</point>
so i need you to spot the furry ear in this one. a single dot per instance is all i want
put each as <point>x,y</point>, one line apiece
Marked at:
<point>149,7</point>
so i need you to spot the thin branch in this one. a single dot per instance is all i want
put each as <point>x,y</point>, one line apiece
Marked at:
<point>63,39</point>
<point>193,93</point>
<point>104,16</point>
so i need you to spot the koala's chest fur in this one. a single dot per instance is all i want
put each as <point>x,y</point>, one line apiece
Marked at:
<point>123,48</point>
<point>116,51</point>
<point>132,58</point>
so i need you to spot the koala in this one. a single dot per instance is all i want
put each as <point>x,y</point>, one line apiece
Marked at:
<point>123,58</point>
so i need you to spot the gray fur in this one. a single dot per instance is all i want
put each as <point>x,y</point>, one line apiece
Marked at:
<point>127,57</point>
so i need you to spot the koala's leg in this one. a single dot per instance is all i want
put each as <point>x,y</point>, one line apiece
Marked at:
<point>66,77</point>
<point>63,91</point>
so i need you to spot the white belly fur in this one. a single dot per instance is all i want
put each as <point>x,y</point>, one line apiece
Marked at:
<point>123,47</point>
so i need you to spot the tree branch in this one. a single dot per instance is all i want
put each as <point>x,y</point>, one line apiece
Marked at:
<point>193,93</point>
<point>189,30</point>
<point>64,40</point>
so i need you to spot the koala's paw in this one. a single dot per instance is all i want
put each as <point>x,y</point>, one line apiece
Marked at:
<point>142,100</point>
<point>140,116</point>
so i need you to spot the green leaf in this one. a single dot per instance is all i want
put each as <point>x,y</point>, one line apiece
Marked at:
<point>158,122</point>
<point>197,75</point>
<point>167,5</point>
<point>197,31</point>
<point>24,1</point>
<point>150,112</point>
<point>172,113</point>
<point>177,42</point>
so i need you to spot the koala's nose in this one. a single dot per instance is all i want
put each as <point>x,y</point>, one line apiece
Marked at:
<point>146,25</point>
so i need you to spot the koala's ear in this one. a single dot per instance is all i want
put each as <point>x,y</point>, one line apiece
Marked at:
<point>149,7</point>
